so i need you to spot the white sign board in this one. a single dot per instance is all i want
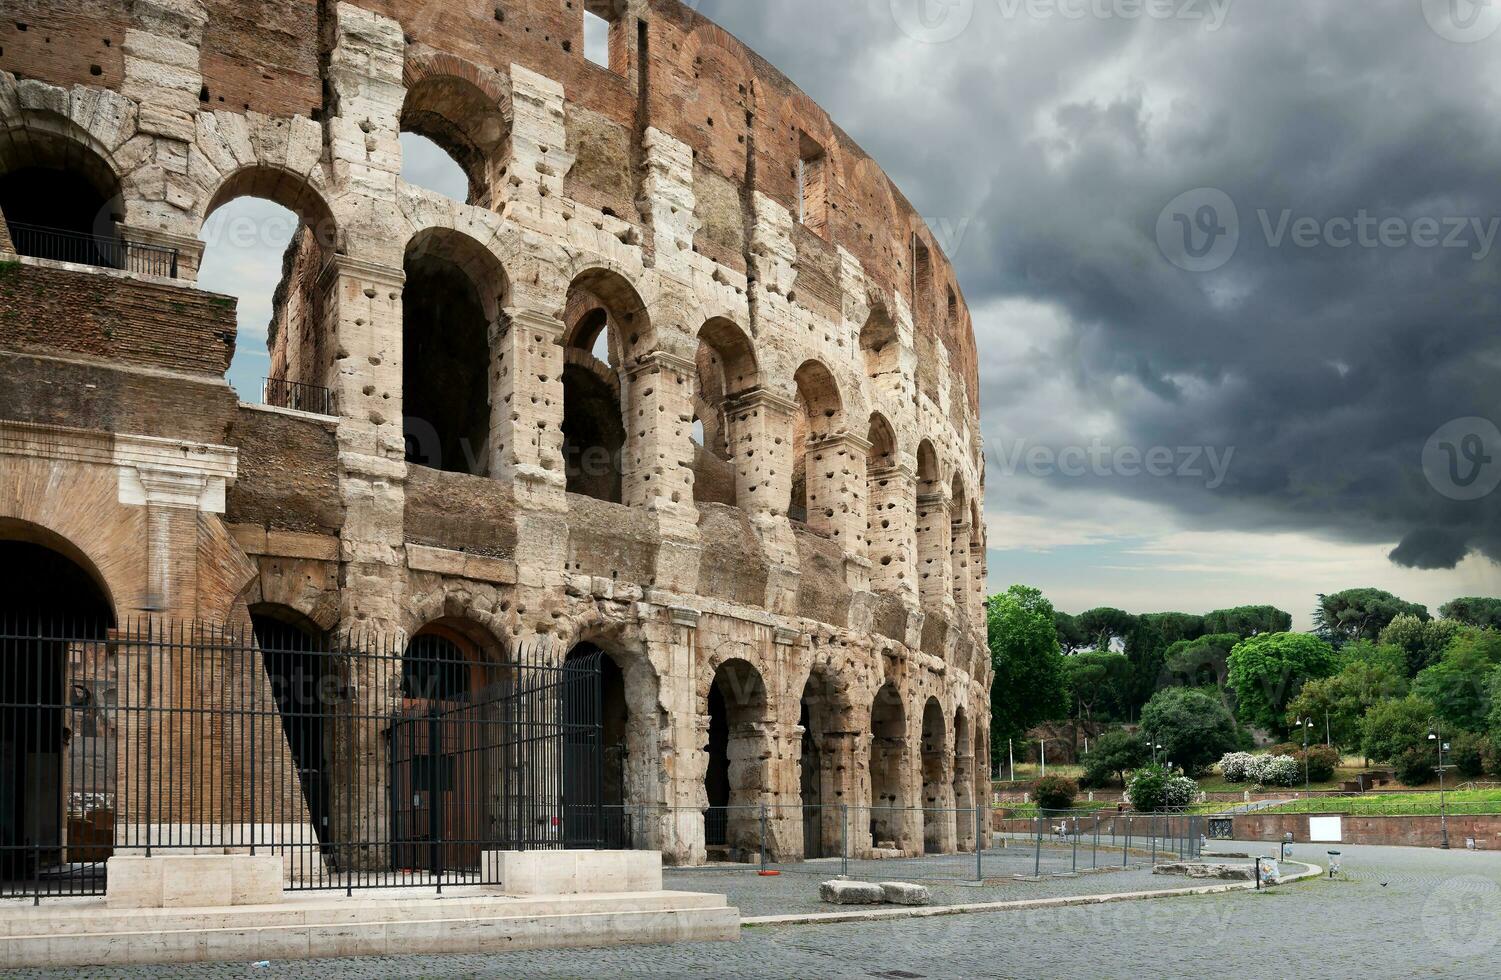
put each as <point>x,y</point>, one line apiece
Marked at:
<point>1330,830</point>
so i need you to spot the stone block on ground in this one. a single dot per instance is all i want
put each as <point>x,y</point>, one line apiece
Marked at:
<point>1218,872</point>
<point>851,893</point>
<point>904,893</point>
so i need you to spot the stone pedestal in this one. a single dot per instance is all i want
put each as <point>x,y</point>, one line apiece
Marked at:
<point>199,881</point>
<point>574,872</point>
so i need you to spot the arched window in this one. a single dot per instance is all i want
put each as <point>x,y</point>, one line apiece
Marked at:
<point>61,200</point>
<point>888,771</point>
<point>734,779</point>
<point>938,815</point>
<point>726,365</point>
<point>814,477</point>
<point>933,531</point>
<point>452,298</point>
<point>881,347</point>
<point>450,126</point>
<point>300,664</point>
<point>604,315</point>
<point>823,711</point>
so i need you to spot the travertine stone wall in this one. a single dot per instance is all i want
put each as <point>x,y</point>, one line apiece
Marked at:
<point>825,347</point>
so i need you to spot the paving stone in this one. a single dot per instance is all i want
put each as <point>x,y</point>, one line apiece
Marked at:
<point>851,893</point>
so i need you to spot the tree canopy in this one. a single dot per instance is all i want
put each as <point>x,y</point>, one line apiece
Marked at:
<point>1482,612</point>
<point>1193,728</point>
<point>1246,621</point>
<point>1269,670</point>
<point>1360,614</point>
<point>1029,686</point>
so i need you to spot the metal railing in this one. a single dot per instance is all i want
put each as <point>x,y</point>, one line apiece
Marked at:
<point>360,763</point>
<point>106,253</point>
<point>299,397</point>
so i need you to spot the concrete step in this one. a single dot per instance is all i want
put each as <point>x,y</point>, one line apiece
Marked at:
<point>361,927</point>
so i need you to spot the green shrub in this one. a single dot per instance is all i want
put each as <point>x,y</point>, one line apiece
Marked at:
<point>1111,756</point>
<point>1415,766</point>
<point>1055,793</point>
<point>1467,755</point>
<point>1493,756</point>
<point>1147,790</point>
<point>1321,762</point>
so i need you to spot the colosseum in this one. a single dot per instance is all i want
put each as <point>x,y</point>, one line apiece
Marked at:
<point>685,389</point>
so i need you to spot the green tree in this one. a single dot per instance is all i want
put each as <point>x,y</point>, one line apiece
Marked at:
<point>1029,686</point>
<point>1461,684</point>
<point>1268,671</point>
<point>1106,628</point>
<point>1071,636</point>
<point>1247,621</point>
<point>1360,614</point>
<point>1394,659</point>
<point>1393,727</point>
<point>1175,626</point>
<point>1421,640</point>
<point>1204,662</point>
<point>1114,753</point>
<point>1485,613</point>
<point>1096,680</point>
<point>1193,728</point>
<point>1338,704</point>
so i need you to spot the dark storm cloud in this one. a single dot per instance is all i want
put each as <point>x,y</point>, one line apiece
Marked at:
<point>1327,355</point>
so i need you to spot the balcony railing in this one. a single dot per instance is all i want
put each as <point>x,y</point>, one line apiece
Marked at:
<point>106,253</point>
<point>299,397</point>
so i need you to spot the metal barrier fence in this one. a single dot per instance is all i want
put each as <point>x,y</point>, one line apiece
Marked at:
<point>299,397</point>
<point>362,763</point>
<point>106,253</point>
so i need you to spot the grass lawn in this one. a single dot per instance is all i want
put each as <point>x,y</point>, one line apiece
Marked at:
<point>1399,804</point>
<point>1030,809</point>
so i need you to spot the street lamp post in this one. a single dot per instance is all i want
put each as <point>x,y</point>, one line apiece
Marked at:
<point>1305,724</point>
<point>1437,738</point>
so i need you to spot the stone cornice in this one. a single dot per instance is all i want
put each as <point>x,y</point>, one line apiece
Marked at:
<point>339,266</point>
<point>762,398</point>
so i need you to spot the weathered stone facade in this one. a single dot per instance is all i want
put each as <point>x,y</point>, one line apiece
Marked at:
<point>678,241</point>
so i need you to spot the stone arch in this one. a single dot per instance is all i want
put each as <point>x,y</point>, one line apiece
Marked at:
<point>964,779</point>
<point>933,531</point>
<point>938,815</point>
<point>825,717</point>
<point>60,193</point>
<point>280,185</point>
<point>736,713</point>
<point>881,347</point>
<point>726,368</point>
<point>601,303</point>
<point>725,93</point>
<point>819,418</point>
<point>461,109</point>
<point>451,306</point>
<point>888,529</point>
<point>889,823</point>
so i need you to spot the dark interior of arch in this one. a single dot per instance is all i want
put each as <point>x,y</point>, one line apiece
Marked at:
<point>445,367</point>
<point>593,434</point>
<point>601,775</point>
<point>299,665</point>
<point>63,200</point>
<point>435,668</point>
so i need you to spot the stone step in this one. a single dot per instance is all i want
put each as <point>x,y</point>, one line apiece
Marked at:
<point>628,919</point>
<point>86,916</point>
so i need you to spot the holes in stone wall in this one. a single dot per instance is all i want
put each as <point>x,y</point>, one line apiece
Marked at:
<point>812,185</point>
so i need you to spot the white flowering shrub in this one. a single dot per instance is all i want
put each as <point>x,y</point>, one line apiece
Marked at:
<point>1180,792</point>
<point>1235,766</point>
<point>1281,770</point>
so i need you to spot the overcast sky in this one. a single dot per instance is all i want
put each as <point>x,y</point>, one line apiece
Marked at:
<point>1233,266</point>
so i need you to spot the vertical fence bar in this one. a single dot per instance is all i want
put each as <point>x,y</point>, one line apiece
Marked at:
<point>1037,845</point>
<point>1075,836</point>
<point>979,844</point>
<point>844,839</point>
<point>763,835</point>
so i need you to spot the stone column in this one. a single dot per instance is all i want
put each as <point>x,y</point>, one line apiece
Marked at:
<point>934,566</point>
<point>959,549</point>
<point>760,441</point>
<point>526,428</point>
<point>892,530</point>
<point>532,194</point>
<point>658,435</point>
<point>680,826</point>
<point>836,489</point>
<point>979,574</point>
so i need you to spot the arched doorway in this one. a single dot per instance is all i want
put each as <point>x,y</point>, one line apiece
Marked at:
<point>456,117</point>
<point>737,708</point>
<point>595,780</point>
<point>964,781</point>
<point>299,663</point>
<point>453,294</point>
<point>815,495</point>
<point>61,200</point>
<point>937,816</point>
<point>888,760</point>
<point>57,683</point>
<point>444,752</point>
<point>726,370</point>
<point>607,324</point>
<point>820,710</point>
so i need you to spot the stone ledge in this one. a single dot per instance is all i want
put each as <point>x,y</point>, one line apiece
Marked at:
<point>459,564</point>
<point>258,541</point>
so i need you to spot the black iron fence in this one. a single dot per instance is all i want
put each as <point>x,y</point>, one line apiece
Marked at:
<point>362,763</point>
<point>104,252</point>
<point>294,395</point>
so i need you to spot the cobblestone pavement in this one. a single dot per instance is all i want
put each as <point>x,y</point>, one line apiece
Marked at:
<point>1402,913</point>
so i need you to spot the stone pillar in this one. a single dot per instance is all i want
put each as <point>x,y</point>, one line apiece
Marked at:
<point>892,530</point>
<point>658,433</point>
<point>533,191</point>
<point>760,441</point>
<point>959,549</point>
<point>671,206</point>
<point>979,574</point>
<point>837,488</point>
<point>526,429</point>
<point>680,826</point>
<point>934,566</point>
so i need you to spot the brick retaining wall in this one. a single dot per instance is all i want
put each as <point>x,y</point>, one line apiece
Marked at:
<point>1394,831</point>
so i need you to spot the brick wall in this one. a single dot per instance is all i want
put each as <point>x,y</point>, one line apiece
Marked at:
<point>115,319</point>
<point>1393,831</point>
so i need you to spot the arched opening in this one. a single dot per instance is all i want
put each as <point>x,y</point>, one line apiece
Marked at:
<point>881,347</point>
<point>964,780</point>
<point>933,531</point>
<point>888,764</point>
<point>737,708</point>
<point>300,665</point>
<point>820,710</point>
<point>444,750</point>
<point>453,295</point>
<point>726,369</point>
<point>61,200</point>
<point>266,234</point>
<point>814,480</point>
<point>959,544</point>
<point>595,784</point>
<point>448,124</point>
<point>937,816</point>
<point>57,686</point>
<point>603,314</point>
<point>888,520</point>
